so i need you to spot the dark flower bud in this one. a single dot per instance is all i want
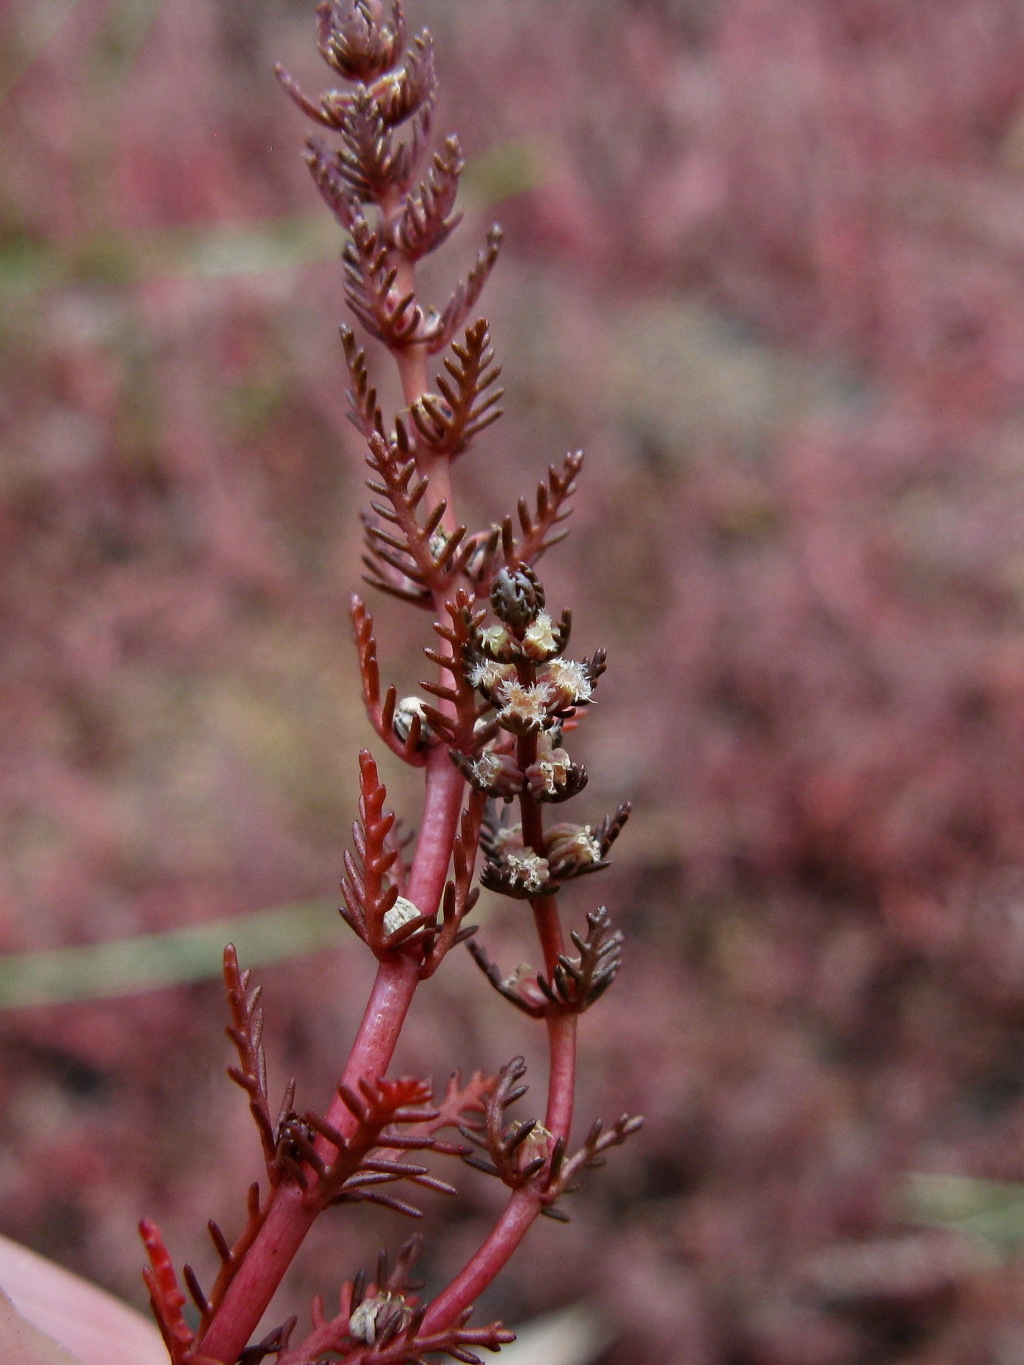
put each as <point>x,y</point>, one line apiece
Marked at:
<point>354,42</point>
<point>517,596</point>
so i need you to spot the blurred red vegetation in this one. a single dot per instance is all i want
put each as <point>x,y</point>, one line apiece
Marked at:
<point>767,268</point>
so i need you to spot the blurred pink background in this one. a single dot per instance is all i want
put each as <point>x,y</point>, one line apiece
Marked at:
<point>764,262</point>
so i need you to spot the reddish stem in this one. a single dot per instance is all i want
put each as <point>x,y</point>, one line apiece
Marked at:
<point>522,1209</point>
<point>289,1218</point>
<point>548,923</point>
<point>382,1021</point>
<point>562,1076</point>
<point>510,1229</point>
<point>442,807</point>
<point>412,361</point>
<point>524,1206</point>
<point>412,365</point>
<point>249,1293</point>
<point>545,908</point>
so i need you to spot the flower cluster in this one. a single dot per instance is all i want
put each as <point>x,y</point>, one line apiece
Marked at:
<point>530,695</point>
<point>517,666</point>
<point>513,867</point>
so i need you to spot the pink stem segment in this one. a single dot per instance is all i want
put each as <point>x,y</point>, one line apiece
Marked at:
<point>510,1229</point>
<point>442,807</point>
<point>289,1219</point>
<point>524,1206</point>
<point>562,1077</point>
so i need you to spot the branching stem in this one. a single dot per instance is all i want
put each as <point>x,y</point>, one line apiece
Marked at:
<point>376,168</point>
<point>289,1219</point>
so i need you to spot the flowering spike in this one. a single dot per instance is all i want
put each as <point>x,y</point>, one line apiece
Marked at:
<point>491,724</point>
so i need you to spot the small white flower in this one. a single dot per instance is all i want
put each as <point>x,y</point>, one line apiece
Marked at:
<point>494,639</point>
<point>498,774</point>
<point>363,1323</point>
<point>553,769</point>
<point>406,709</point>
<point>539,639</point>
<point>526,868</point>
<point>573,846</point>
<point>489,767</point>
<point>585,846</point>
<point>569,679</point>
<point>522,973</point>
<point>524,706</point>
<point>536,1143</point>
<point>487,675</point>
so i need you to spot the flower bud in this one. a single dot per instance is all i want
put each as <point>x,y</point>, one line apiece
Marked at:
<point>354,42</point>
<point>517,596</point>
<point>400,913</point>
<point>572,849</point>
<point>379,1316</point>
<point>408,710</point>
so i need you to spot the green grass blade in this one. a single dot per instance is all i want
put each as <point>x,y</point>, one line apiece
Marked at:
<point>151,961</point>
<point>990,1209</point>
